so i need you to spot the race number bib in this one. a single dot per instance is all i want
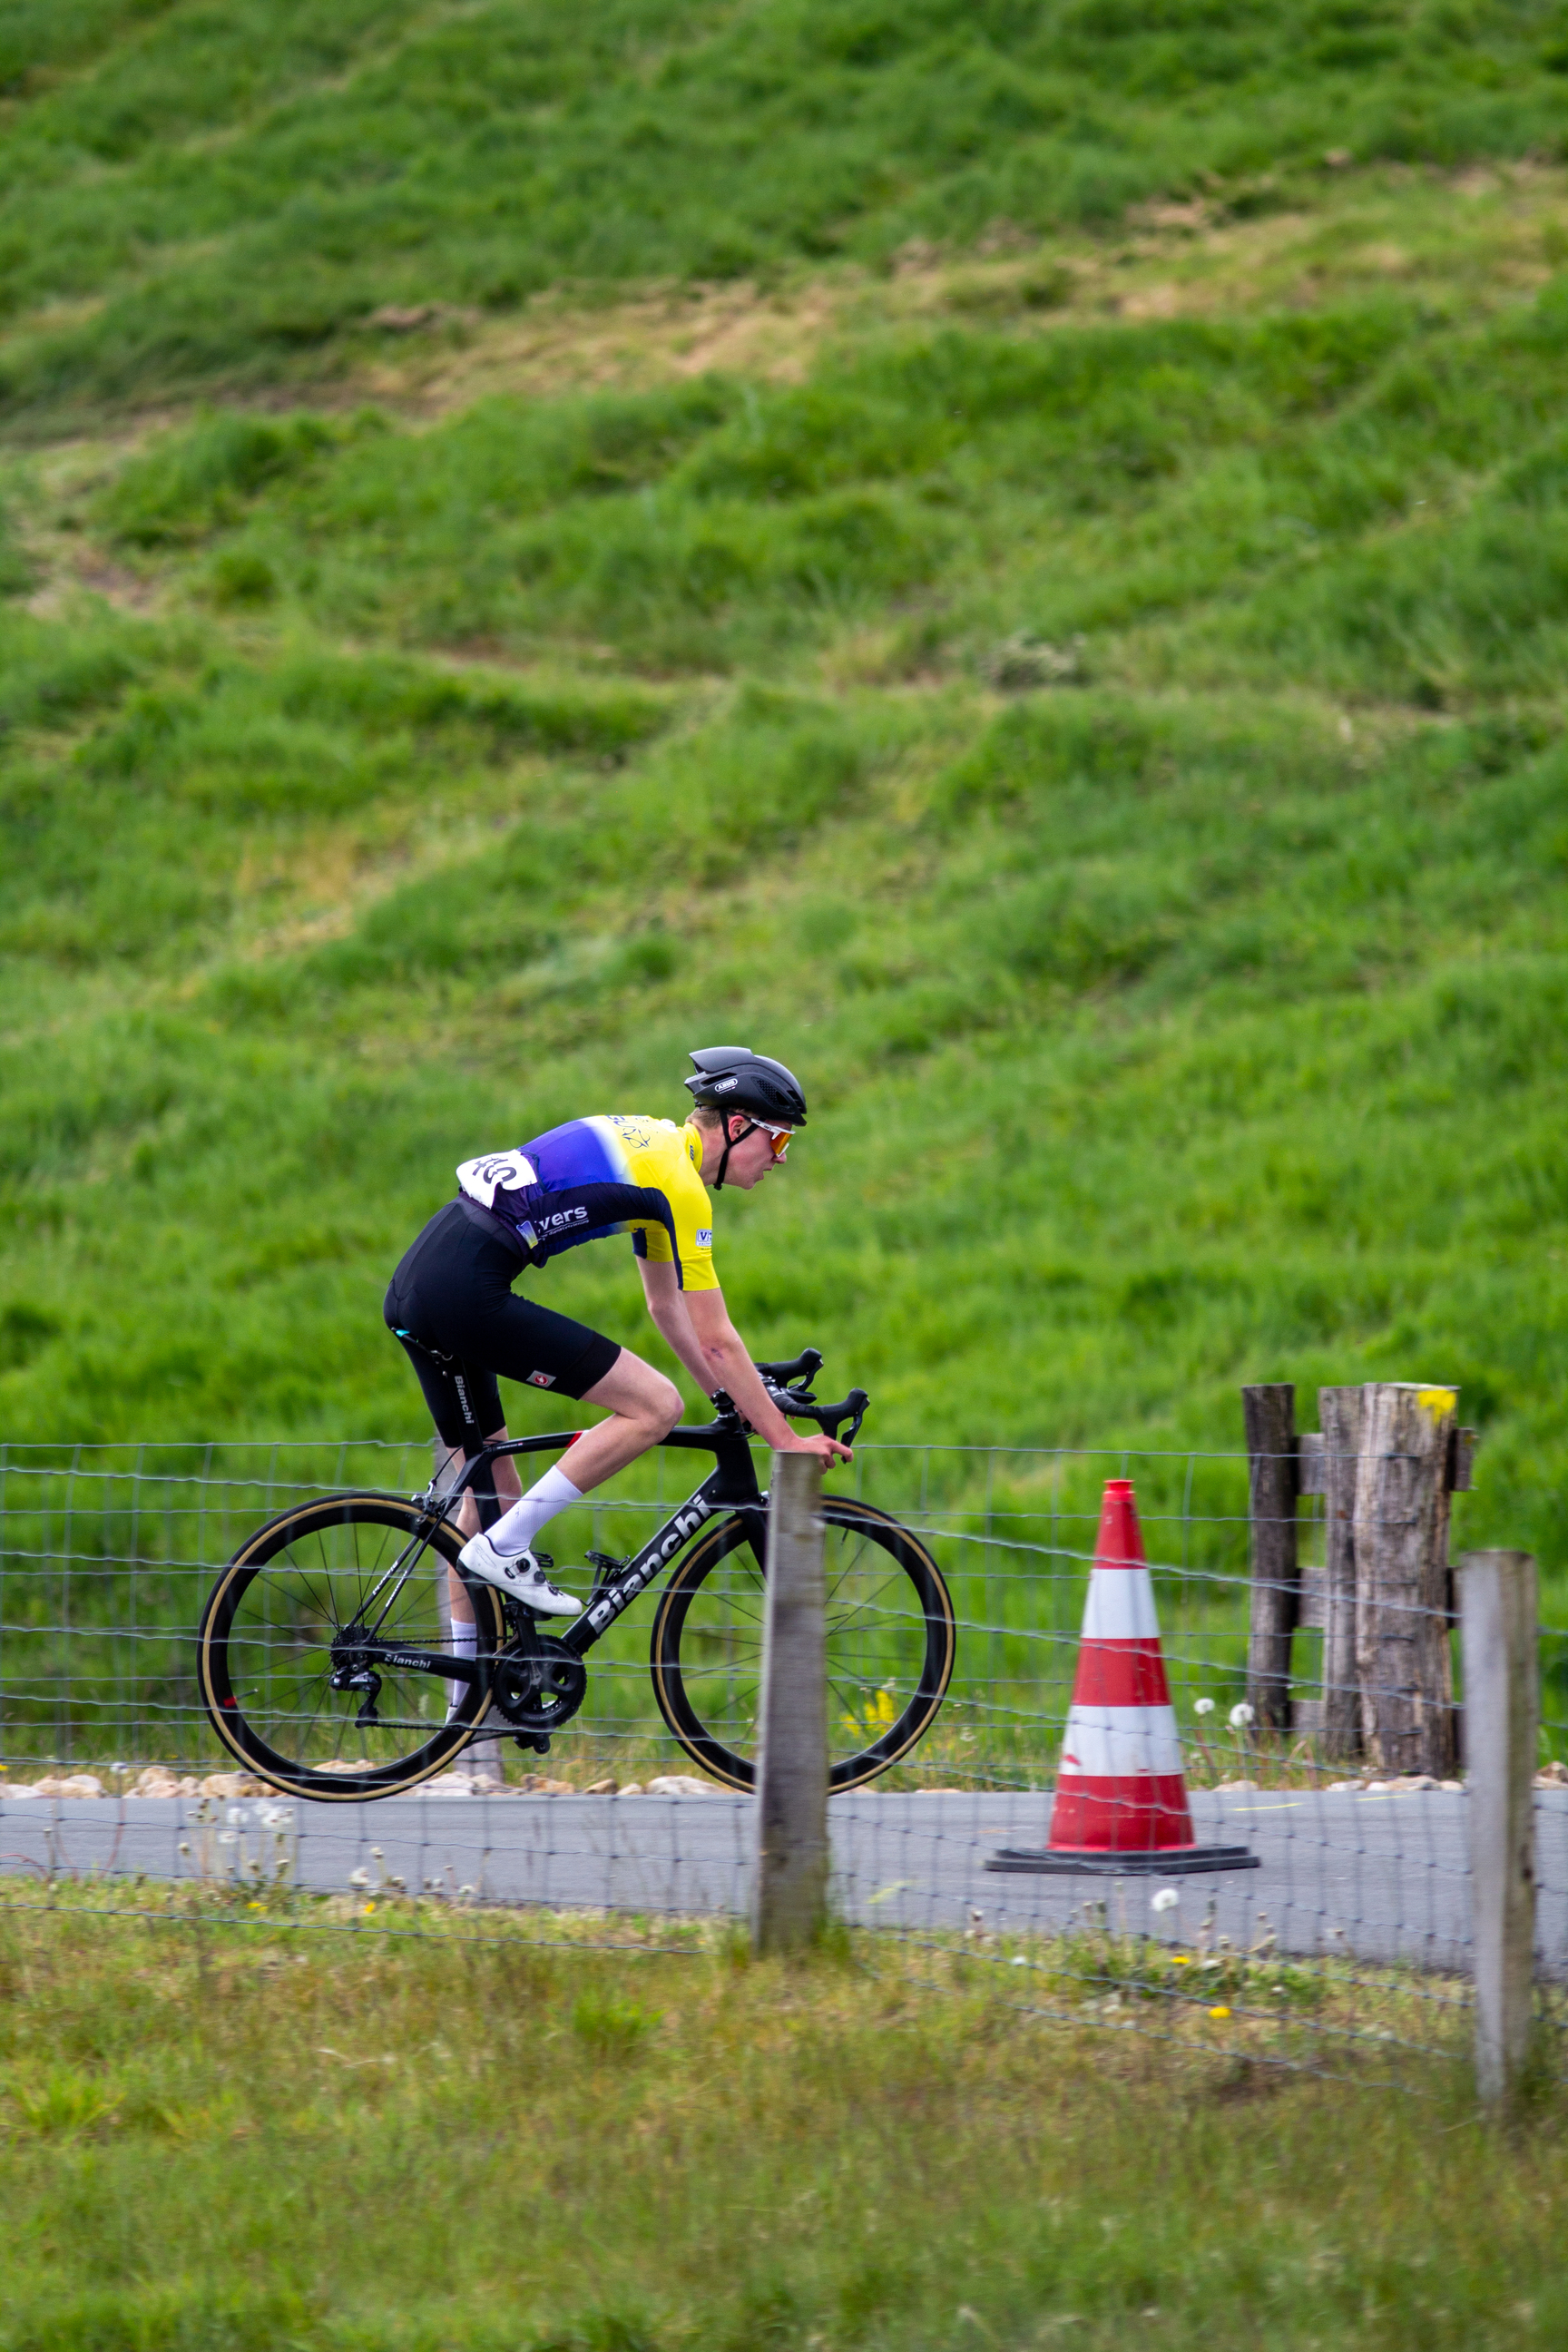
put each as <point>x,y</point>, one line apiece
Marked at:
<point>498,1171</point>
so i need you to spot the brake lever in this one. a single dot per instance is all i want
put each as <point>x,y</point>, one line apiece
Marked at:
<point>859,1405</point>
<point>853,1411</point>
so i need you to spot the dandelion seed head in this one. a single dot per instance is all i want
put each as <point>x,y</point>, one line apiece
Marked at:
<point>228,1837</point>
<point>1164,1898</point>
<point>1203,1707</point>
<point>359,1878</point>
<point>1240,1717</point>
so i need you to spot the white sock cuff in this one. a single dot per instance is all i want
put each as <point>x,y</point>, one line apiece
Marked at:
<point>515,1532</point>
<point>555,1489</point>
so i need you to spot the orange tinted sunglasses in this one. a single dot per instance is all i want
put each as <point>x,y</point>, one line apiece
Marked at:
<point>779,1137</point>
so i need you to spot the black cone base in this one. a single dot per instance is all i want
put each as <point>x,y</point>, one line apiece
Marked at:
<point>1176,1861</point>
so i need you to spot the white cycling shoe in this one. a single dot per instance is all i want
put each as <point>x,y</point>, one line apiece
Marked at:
<point>519,1574</point>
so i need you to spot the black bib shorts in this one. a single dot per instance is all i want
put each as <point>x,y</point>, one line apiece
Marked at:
<point>452,1306</point>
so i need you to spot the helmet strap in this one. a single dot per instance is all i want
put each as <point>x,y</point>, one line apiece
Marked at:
<point>728,1147</point>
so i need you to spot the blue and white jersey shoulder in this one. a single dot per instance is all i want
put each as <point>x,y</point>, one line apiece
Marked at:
<point>598,1176</point>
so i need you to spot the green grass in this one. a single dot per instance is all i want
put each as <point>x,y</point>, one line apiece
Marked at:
<point>194,197</point>
<point>1094,705</point>
<point>227,2134</point>
<point>956,545</point>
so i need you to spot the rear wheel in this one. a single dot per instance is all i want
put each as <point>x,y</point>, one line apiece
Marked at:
<point>890,1644</point>
<point>269,1643</point>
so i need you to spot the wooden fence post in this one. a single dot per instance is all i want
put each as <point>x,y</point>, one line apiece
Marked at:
<point>1400,1533</point>
<point>790,1897</point>
<point>1496,1603</point>
<point>1269,1410</point>
<point>1339,1415</point>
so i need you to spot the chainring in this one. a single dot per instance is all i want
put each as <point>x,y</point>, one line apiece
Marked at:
<point>538,1684</point>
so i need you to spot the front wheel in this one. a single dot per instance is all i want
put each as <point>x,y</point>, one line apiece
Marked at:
<point>270,1643</point>
<point>890,1644</point>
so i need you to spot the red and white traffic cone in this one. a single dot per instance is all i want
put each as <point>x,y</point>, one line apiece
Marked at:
<point>1122,1794</point>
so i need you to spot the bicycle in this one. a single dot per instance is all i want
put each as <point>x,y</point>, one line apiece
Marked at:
<point>328,1627</point>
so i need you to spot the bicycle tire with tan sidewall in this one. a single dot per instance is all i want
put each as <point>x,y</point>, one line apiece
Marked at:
<point>914,1599</point>
<point>321,1544</point>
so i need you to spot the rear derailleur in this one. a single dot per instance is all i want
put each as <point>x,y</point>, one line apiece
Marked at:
<point>352,1671</point>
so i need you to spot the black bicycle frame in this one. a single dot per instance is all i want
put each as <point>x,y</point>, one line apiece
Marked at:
<point>731,1485</point>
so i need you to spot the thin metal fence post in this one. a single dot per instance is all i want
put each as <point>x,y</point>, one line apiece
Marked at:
<point>995,1596</point>
<point>130,1651</point>
<point>1498,1615</point>
<point>64,1724</point>
<point>790,1883</point>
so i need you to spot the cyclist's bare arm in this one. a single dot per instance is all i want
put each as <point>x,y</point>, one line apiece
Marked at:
<point>697,1325</point>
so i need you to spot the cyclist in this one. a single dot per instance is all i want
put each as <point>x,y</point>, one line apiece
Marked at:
<point>452,1306</point>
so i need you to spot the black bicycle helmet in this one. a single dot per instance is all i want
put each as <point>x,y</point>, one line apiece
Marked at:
<point>731,1078</point>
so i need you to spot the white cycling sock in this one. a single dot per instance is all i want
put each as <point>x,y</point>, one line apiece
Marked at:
<point>515,1531</point>
<point>462,1642</point>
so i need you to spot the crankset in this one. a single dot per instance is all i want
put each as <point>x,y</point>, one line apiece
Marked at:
<point>538,1683</point>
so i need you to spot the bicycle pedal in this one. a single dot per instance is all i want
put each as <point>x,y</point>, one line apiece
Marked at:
<point>538,1742</point>
<point>606,1569</point>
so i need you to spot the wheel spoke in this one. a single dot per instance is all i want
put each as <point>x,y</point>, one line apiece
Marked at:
<point>849,1568</point>
<point>272,1647</point>
<point>888,1646</point>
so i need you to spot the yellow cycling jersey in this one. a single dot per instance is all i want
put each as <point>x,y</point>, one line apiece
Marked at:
<point>597,1176</point>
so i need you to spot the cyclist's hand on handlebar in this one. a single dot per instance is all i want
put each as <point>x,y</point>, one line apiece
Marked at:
<point>827,1450</point>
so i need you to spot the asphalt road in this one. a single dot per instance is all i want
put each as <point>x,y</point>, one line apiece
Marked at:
<point>1383,1878</point>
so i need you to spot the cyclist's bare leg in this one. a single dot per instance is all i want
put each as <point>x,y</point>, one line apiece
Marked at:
<point>509,1486</point>
<point>643,1407</point>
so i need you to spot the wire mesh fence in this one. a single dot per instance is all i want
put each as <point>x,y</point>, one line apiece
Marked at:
<point>1349,1941</point>
<point>107,1553</point>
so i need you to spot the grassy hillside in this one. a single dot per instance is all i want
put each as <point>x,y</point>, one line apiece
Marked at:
<point>1090,697</point>
<point>191,195</point>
